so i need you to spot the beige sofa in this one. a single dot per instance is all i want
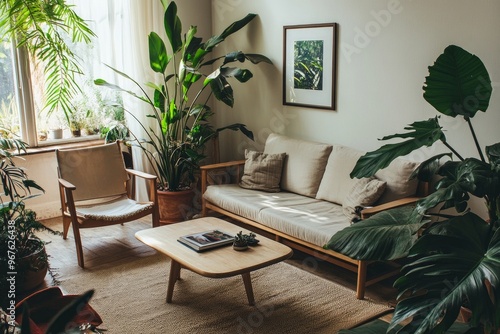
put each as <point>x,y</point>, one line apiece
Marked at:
<point>314,199</point>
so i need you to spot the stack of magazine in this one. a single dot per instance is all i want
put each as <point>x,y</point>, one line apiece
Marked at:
<point>206,240</point>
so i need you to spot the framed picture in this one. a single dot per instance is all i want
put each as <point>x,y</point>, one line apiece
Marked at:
<point>310,61</point>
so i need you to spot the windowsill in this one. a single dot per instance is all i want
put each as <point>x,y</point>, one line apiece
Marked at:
<point>50,146</point>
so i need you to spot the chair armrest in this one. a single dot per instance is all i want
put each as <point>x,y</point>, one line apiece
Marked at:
<point>223,165</point>
<point>150,178</point>
<point>389,205</point>
<point>220,173</point>
<point>66,184</point>
<point>140,174</point>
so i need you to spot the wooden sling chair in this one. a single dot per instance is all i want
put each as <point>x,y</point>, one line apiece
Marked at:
<point>97,190</point>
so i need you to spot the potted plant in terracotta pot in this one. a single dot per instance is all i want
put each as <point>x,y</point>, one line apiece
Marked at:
<point>174,144</point>
<point>21,251</point>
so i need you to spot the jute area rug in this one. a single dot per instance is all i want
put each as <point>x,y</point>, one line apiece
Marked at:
<point>130,297</point>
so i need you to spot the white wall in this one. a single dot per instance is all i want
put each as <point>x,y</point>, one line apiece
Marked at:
<point>379,85</point>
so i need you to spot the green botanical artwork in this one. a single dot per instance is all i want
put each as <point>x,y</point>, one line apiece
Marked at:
<point>308,65</point>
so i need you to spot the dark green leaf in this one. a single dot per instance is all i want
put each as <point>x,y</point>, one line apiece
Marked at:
<point>238,127</point>
<point>423,133</point>
<point>387,235</point>
<point>458,180</point>
<point>257,58</point>
<point>222,90</point>
<point>173,27</point>
<point>493,153</point>
<point>242,75</point>
<point>451,263</point>
<point>428,168</point>
<point>458,83</point>
<point>234,27</point>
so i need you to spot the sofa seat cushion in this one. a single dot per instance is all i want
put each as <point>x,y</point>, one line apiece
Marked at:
<point>304,164</point>
<point>314,222</point>
<point>248,202</point>
<point>299,216</point>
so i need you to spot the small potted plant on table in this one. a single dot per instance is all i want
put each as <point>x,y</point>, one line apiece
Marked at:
<point>242,241</point>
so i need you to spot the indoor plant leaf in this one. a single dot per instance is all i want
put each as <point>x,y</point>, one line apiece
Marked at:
<point>395,231</point>
<point>222,90</point>
<point>178,110</point>
<point>428,168</point>
<point>458,180</point>
<point>458,83</point>
<point>234,27</point>
<point>173,27</point>
<point>423,133</point>
<point>443,272</point>
<point>242,75</point>
<point>240,127</point>
<point>158,57</point>
<point>493,153</point>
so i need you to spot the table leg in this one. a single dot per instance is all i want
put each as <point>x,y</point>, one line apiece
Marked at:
<point>175,273</point>
<point>248,288</point>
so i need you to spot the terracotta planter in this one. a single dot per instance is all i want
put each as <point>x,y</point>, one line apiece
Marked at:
<point>32,278</point>
<point>175,206</point>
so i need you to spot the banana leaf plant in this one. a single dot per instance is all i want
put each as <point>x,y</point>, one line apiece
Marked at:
<point>178,105</point>
<point>456,260</point>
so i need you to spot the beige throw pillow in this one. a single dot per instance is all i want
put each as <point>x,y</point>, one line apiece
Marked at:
<point>336,182</point>
<point>262,171</point>
<point>364,192</point>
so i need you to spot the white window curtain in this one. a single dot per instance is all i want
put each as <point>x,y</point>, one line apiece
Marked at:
<point>144,16</point>
<point>122,29</point>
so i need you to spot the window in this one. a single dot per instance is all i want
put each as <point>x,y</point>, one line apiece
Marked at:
<point>95,110</point>
<point>9,111</point>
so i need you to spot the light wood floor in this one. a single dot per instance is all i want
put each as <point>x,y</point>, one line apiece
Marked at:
<point>113,243</point>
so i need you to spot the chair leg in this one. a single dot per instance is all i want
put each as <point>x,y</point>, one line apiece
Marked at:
<point>66,223</point>
<point>78,243</point>
<point>156,218</point>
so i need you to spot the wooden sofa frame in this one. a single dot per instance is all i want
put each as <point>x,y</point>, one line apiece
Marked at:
<point>221,173</point>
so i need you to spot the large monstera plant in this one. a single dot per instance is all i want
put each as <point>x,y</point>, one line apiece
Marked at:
<point>456,260</point>
<point>178,105</point>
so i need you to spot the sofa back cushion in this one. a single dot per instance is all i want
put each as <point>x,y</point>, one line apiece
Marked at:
<point>304,164</point>
<point>336,183</point>
<point>397,176</point>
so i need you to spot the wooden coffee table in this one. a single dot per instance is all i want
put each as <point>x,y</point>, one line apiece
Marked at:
<point>216,263</point>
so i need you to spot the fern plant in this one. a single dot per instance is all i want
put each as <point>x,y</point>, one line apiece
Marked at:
<point>40,26</point>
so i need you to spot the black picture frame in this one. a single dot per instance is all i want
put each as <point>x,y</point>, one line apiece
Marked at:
<point>310,65</point>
